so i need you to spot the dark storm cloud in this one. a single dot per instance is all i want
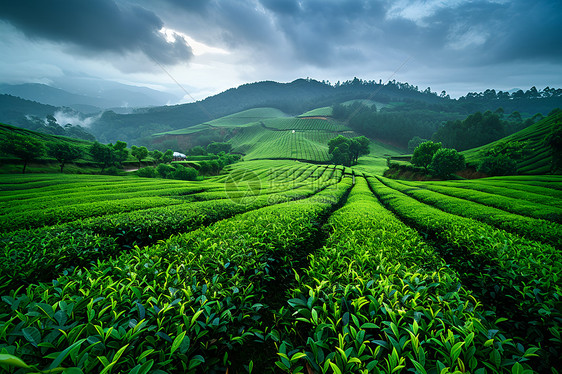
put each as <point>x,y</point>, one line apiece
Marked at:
<point>326,32</point>
<point>532,30</point>
<point>282,7</point>
<point>95,26</point>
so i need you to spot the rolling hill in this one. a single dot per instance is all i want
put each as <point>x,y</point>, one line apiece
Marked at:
<point>538,158</point>
<point>266,133</point>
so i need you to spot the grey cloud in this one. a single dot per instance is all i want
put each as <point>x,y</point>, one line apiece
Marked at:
<point>95,26</point>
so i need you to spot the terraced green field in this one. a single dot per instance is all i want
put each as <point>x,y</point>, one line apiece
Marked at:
<point>267,133</point>
<point>538,159</point>
<point>318,112</point>
<point>288,138</point>
<point>280,266</point>
<point>240,119</point>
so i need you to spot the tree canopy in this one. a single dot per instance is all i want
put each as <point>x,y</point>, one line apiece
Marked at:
<point>22,147</point>
<point>111,154</point>
<point>139,153</point>
<point>445,162</point>
<point>423,154</point>
<point>63,153</point>
<point>346,151</point>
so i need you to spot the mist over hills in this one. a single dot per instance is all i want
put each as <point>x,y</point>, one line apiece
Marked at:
<point>90,96</point>
<point>136,126</point>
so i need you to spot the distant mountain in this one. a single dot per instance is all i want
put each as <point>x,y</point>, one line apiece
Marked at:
<point>39,117</point>
<point>13,110</point>
<point>404,104</point>
<point>44,94</point>
<point>92,97</point>
<point>292,98</point>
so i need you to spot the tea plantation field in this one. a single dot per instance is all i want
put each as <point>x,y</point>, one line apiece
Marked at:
<point>280,266</point>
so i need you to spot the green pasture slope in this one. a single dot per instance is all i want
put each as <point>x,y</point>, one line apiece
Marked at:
<point>538,160</point>
<point>280,266</point>
<point>268,133</point>
<point>7,130</point>
<point>231,121</point>
<point>288,138</point>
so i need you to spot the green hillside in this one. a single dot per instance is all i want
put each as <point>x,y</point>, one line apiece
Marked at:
<point>318,112</point>
<point>294,138</point>
<point>538,159</point>
<point>46,164</point>
<point>6,130</point>
<point>266,133</point>
<point>233,120</point>
<point>247,116</point>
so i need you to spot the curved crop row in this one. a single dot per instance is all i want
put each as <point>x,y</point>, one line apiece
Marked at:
<point>535,194</point>
<point>184,305</point>
<point>531,228</point>
<point>518,277</point>
<point>41,254</point>
<point>509,204</point>
<point>376,298</point>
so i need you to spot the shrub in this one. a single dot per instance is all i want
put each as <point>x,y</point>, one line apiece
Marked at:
<point>498,165</point>
<point>147,172</point>
<point>164,170</point>
<point>184,173</point>
<point>446,161</point>
<point>113,170</point>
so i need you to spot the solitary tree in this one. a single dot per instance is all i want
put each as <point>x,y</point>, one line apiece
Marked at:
<point>102,154</point>
<point>23,147</point>
<point>139,153</point>
<point>358,147</point>
<point>63,153</point>
<point>446,161</point>
<point>424,152</point>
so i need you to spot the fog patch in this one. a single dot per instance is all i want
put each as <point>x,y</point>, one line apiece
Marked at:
<point>64,117</point>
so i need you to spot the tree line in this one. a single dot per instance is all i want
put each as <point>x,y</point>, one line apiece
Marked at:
<point>113,155</point>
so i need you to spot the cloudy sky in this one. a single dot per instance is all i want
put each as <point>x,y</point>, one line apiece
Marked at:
<point>207,46</point>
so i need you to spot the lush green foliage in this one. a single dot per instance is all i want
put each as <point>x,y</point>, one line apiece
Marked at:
<point>423,153</point>
<point>25,148</point>
<point>346,151</point>
<point>63,153</point>
<point>415,142</point>
<point>219,311</point>
<point>497,266</point>
<point>498,165</point>
<point>554,140</point>
<point>532,153</point>
<point>279,265</point>
<point>370,297</point>
<point>475,130</point>
<point>217,147</point>
<point>109,154</point>
<point>533,228</point>
<point>139,153</point>
<point>445,162</point>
